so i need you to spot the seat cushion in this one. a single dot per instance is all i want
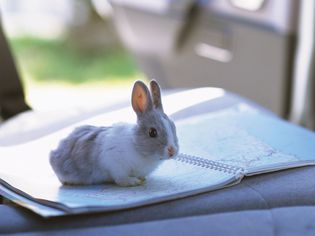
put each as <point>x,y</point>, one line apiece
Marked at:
<point>299,220</point>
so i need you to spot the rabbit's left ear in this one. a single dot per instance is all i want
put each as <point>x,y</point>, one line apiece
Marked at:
<point>141,99</point>
<point>156,95</point>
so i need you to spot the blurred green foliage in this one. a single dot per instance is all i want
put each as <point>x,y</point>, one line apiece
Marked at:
<point>60,61</point>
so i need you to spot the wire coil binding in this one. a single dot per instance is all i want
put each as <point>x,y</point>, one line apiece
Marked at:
<point>202,162</point>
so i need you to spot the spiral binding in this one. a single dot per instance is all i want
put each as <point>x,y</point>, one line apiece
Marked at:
<point>202,162</point>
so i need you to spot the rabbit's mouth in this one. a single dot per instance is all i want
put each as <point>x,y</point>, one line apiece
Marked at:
<point>167,157</point>
<point>164,157</point>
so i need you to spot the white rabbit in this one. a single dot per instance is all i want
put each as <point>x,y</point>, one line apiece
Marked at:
<point>122,153</point>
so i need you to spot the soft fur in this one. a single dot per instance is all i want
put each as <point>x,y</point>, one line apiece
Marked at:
<point>122,153</point>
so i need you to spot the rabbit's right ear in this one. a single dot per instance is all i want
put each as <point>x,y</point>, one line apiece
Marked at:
<point>156,95</point>
<point>141,99</point>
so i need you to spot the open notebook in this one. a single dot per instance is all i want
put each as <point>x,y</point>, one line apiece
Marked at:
<point>219,150</point>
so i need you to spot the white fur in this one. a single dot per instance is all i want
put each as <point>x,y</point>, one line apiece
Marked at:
<point>124,165</point>
<point>170,135</point>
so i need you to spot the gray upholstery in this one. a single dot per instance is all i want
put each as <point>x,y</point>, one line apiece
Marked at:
<point>278,221</point>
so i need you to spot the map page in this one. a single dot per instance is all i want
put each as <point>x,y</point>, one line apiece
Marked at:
<point>243,137</point>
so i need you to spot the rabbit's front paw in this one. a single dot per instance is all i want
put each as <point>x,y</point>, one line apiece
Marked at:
<point>142,178</point>
<point>129,182</point>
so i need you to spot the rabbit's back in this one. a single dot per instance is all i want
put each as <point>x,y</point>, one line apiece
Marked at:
<point>74,159</point>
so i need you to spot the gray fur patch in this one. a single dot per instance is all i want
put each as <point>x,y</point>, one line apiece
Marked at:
<point>75,156</point>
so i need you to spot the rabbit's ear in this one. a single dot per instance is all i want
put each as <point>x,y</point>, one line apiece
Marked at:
<point>156,94</point>
<point>141,100</point>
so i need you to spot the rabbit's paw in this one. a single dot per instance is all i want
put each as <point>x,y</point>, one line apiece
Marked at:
<point>129,182</point>
<point>142,179</point>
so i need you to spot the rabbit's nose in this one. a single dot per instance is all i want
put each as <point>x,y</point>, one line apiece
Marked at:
<point>170,151</point>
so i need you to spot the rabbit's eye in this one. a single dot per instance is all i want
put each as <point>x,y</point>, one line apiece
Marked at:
<point>152,132</point>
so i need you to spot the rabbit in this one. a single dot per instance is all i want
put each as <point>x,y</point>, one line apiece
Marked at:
<point>123,154</point>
